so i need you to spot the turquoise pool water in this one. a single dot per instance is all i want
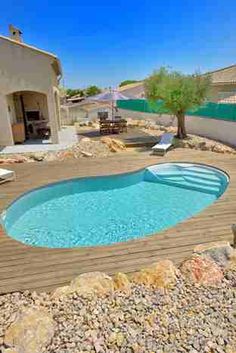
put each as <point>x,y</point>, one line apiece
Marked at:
<point>106,210</point>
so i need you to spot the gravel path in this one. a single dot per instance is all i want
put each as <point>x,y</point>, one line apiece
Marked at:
<point>188,318</point>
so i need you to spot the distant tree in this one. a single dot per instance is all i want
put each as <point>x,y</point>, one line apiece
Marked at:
<point>74,92</point>
<point>92,90</point>
<point>179,93</point>
<point>127,82</point>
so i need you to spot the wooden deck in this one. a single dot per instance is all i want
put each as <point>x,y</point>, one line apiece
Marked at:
<point>23,267</point>
<point>133,138</point>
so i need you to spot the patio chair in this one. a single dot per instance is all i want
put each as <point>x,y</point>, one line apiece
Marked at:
<point>123,126</point>
<point>163,145</point>
<point>116,127</point>
<point>6,175</point>
<point>104,126</point>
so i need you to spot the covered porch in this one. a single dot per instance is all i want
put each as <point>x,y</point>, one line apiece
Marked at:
<point>30,118</point>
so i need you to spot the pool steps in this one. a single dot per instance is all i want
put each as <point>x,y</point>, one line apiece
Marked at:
<point>187,176</point>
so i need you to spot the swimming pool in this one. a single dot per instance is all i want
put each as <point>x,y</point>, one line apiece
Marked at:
<point>108,209</point>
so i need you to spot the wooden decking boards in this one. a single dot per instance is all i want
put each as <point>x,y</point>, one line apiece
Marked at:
<point>23,267</point>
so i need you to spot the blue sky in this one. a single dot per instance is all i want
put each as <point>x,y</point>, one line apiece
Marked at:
<point>105,42</point>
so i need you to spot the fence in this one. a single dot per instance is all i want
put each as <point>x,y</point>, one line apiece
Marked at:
<point>209,110</point>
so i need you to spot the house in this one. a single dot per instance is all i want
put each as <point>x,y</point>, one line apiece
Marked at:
<point>223,85</point>
<point>133,90</point>
<point>29,95</point>
<point>82,111</point>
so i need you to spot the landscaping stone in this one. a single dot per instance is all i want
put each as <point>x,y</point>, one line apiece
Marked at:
<point>220,252</point>
<point>121,282</point>
<point>162,274</point>
<point>231,265</point>
<point>62,291</point>
<point>92,282</point>
<point>202,270</point>
<point>145,319</point>
<point>114,145</point>
<point>30,332</point>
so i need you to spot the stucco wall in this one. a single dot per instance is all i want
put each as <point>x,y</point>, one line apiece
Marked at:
<point>223,93</point>
<point>220,130</point>
<point>23,69</point>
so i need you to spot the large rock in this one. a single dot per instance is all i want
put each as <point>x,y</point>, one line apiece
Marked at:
<point>201,270</point>
<point>32,330</point>
<point>62,292</point>
<point>162,274</point>
<point>220,252</point>
<point>121,282</point>
<point>231,265</point>
<point>114,145</point>
<point>92,283</point>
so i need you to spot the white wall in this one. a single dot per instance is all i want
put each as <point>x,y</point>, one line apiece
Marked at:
<point>221,130</point>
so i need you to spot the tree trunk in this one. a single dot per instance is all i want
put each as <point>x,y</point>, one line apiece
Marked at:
<point>181,132</point>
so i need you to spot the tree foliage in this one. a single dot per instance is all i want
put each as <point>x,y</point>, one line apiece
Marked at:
<point>179,93</point>
<point>70,92</point>
<point>92,91</point>
<point>127,82</point>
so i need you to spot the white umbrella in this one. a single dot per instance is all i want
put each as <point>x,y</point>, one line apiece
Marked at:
<point>109,96</point>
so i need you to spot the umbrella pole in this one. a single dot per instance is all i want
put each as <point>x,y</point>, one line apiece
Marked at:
<point>112,108</point>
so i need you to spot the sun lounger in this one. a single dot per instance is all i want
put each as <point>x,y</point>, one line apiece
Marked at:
<point>6,175</point>
<point>165,143</point>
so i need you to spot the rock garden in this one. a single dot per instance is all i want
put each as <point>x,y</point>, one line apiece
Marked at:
<point>161,309</point>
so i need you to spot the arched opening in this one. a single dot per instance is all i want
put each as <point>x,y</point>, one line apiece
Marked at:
<point>28,113</point>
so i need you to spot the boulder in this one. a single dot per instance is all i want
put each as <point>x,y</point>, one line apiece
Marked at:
<point>86,154</point>
<point>219,251</point>
<point>121,282</point>
<point>32,330</point>
<point>62,292</point>
<point>202,270</point>
<point>62,155</point>
<point>50,157</point>
<point>231,265</point>
<point>38,157</point>
<point>114,145</point>
<point>92,283</point>
<point>162,274</point>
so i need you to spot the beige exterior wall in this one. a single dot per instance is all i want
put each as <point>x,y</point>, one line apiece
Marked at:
<point>223,93</point>
<point>71,114</point>
<point>24,69</point>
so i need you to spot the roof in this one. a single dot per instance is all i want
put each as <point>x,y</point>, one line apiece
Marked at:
<point>56,61</point>
<point>224,75</point>
<point>133,90</point>
<point>87,105</point>
<point>130,85</point>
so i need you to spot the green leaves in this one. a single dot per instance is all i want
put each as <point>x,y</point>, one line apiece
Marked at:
<point>179,92</point>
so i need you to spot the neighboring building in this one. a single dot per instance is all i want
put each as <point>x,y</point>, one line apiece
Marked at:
<point>133,90</point>
<point>223,85</point>
<point>75,99</point>
<point>29,95</point>
<point>83,111</point>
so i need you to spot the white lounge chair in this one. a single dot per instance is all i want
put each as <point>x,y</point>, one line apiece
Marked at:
<point>6,175</point>
<point>164,144</point>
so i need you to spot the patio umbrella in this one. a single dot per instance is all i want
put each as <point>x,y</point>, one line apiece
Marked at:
<point>109,96</point>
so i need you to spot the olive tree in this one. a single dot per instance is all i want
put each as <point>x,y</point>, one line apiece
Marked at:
<point>178,92</point>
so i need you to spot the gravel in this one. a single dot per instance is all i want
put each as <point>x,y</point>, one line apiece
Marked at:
<point>188,318</point>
